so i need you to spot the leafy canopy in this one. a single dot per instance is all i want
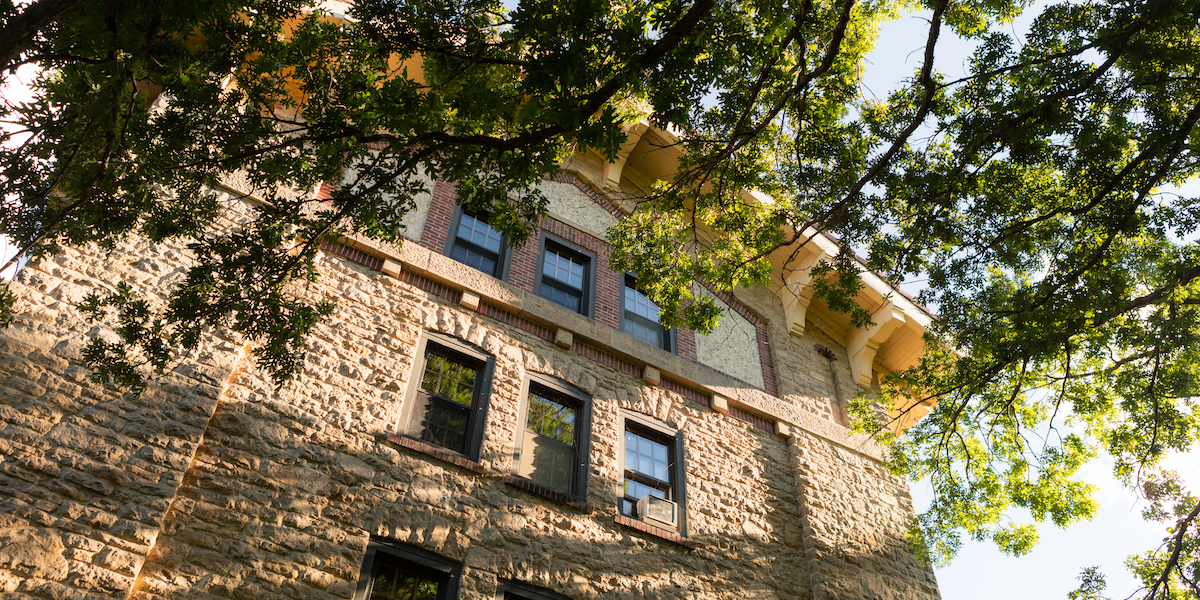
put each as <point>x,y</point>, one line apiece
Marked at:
<point>1033,194</point>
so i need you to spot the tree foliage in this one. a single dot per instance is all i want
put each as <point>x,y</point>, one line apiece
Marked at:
<point>1034,194</point>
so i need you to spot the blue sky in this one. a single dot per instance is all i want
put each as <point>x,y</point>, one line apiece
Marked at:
<point>981,572</point>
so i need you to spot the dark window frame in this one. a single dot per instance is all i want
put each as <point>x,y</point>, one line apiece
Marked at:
<point>583,432</point>
<point>480,399</point>
<point>525,591</point>
<point>448,572</point>
<point>587,304</point>
<point>668,337</point>
<point>502,262</point>
<point>673,438</point>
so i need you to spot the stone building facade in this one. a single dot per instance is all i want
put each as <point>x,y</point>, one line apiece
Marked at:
<point>455,434</point>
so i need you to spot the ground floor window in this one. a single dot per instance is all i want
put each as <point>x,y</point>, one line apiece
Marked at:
<point>552,447</point>
<point>394,571</point>
<point>653,484</point>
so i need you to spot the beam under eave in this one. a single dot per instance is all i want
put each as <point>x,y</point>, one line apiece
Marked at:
<point>907,414</point>
<point>864,343</point>
<point>612,170</point>
<point>796,293</point>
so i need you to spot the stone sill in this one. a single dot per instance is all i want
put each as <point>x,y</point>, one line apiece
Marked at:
<point>657,532</point>
<point>542,491</point>
<point>412,256</point>
<point>445,271</point>
<point>439,453</point>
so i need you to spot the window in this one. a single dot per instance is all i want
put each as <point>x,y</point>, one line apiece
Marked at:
<point>475,243</point>
<point>566,276</point>
<point>447,395</point>
<point>513,590</point>
<point>396,571</point>
<point>551,448</point>
<point>640,317</point>
<point>653,483</point>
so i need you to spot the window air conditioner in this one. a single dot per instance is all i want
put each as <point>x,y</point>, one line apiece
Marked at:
<point>650,508</point>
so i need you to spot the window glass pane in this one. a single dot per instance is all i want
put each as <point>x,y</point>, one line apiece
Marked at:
<point>641,316</point>
<point>477,244</point>
<point>551,418</point>
<point>563,268</point>
<point>638,304</point>
<point>469,257</point>
<point>383,582</point>
<point>650,335</point>
<point>575,274</point>
<point>636,490</point>
<point>479,232</point>
<point>405,583</point>
<point>548,450</point>
<point>446,424</point>
<point>448,378</point>
<point>426,590</point>
<point>570,300</point>
<point>392,581</point>
<point>442,414</point>
<point>647,457</point>
<point>548,462</point>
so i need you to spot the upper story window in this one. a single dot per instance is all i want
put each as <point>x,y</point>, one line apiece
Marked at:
<point>640,317</point>
<point>565,277</point>
<point>392,571</point>
<point>474,242</point>
<point>551,450</point>
<point>447,396</point>
<point>653,483</point>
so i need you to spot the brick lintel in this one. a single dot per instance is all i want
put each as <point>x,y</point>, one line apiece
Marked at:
<point>657,532</point>
<point>436,452</point>
<point>542,491</point>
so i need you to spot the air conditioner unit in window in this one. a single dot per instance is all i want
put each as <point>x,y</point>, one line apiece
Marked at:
<point>653,509</point>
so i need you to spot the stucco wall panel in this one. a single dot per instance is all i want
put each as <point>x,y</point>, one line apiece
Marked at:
<point>732,347</point>
<point>569,204</point>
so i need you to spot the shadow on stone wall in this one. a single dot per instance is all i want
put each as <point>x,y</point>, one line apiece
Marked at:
<point>212,484</point>
<point>279,503</point>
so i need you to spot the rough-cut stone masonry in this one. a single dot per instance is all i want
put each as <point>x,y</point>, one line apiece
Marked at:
<point>213,484</point>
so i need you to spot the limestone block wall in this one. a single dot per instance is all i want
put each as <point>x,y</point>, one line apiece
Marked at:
<point>288,487</point>
<point>88,472</point>
<point>856,514</point>
<point>216,485</point>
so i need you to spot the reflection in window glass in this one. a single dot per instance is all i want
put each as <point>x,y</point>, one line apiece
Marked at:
<point>391,580</point>
<point>564,274</point>
<point>442,413</point>
<point>646,456</point>
<point>479,232</point>
<point>448,379</point>
<point>562,268</point>
<point>550,447</point>
<point>641,317</point>
<point>551,419</point>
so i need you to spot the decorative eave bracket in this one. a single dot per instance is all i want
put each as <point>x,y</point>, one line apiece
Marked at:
<point>864,343</point>
<point>797,293</point>
<point>612,171</point>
